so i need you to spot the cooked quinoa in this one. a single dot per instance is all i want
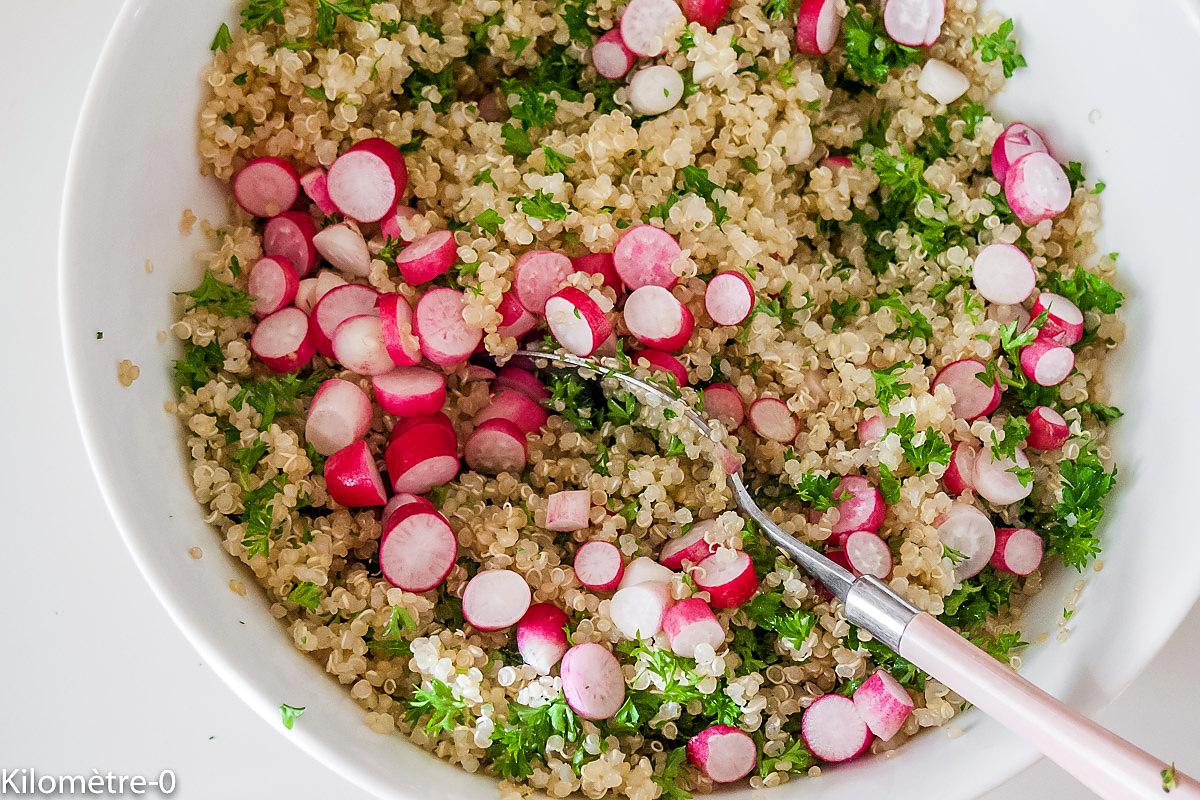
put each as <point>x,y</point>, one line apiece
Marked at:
<point>852,293</point>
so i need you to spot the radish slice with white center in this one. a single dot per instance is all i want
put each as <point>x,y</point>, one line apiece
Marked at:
<point>515,407</point>
<point>936,19</point>
<point>418,548</point>
<point>427,258</point>
<point>366,181</point>
<point>772,419</point>
<point>496,446</point>
<point>344,247</point>
<point>691,547</point>
<point>358,346</point>
<point>708,13</point>
<point>290,236</point>
<point>874,428</point>
<point>539,274</point>
<point>335,307</point>
<point>326,281</point>
<point>833,730</point>
<point>421,458</point>
<point>657,319</point>
<point>447,339</point>
<point>1003,274</point>
<point>599,566</point>
<point>568,510</point>
<point>611,58</point>
<point>959,476</point>
<point>406,424</point>
<point>658,361</point>
<point>1064,320</point>
<point>911,22</point>
<point>817,26</point>
<point>968,531</point>
<point>577,321</point>
<point>396,321</point>
<point>655,90</point>
<point>1047,429</point>
<point>883,704</point>
<point>942,82</point>
<point>647,26</point>
<point>996,482</point>
<point>723,401</point>
<point>691,623</point>
<point>645,570</point>
<point>723,753</point>
<point>515,321</point>
<point>868,554</point>
<point>1017,140</point>
<point>1046,362</point>
<point>600,264</point>
<point>409,391</point>
<point>352,478</point>
<point>315,183</point>
<point>306,290</point>
<point>541,638</point>
<point>272,283</point>
<point>972,397</point>
<point>645,255</point>
<point>390,226</point>
<point>495,599</point>
<point>728,578</point>
<point>1018,551</point>
<point>1037,188</point>
<point>592,682</point>
<point>863,510</point>
<point>283,341</point>
<point>399,501</point>
<point>637,611</point>
<point>729,298</point>
<point>266,186</point>
<point>339,414</point>
<point>523,381</point>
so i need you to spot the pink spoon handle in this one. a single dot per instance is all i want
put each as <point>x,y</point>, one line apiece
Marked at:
<point>1107,764</point>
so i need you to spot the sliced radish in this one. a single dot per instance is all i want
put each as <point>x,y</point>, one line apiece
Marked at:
<point>942,82</point>
<point>282,341</point>
<point>315,183</point>
<point>645,570</point>
<point>723,401</point>
<point>874,428</point>
<point>1046,362</point>
<point>708,13</point>
<point>541,637</point>
<point>972,397</point>
<point>772,419</point>
<point>523,381</point>
<point>335,307</point>
<point>655,89</point>
<point>272,283</point>
<point>1003,274</point>
<point>568,510</point>
<point>577,321</point>
<point>729,581</point>
<point>863,510</point>
<point>883,704</point>
<point>833,730</point>
<point>834,163</point>
<point>406,424</point>
<point>915,23</point>
<point>290,236</point>
<point>358,346</point>
<point>645,255</point>
<point>515,321</point>
<point>399,501</point>
<point>352,478</point>
<point>396,324</point>
<point>1018,140</point>
<point>691,547</point>
<point>345,248</point>
<point>1037,188</point>
<point>959,476</point>
<point>1064,320</point>
<point>339,414</point>
<point>592,682</point>
<point>658,361</point>
<point>515,407</point>
<point>266,186</point>
<point>657,319</point>
<point>995,481</point>
<point>723,753</point>
<point>306,290</point>
<point>600,264</point>
<point>539,274</point>
<point>968,531</point>
<point>496,446</point>
<point>446,337</point>
<point>868,554</point>
<point>1018,551</point>
<point>326,281</point>
<point>637,611</point>
<point>611,58</point>
<point>647,26</point>
<point>409,391</point>
<point>390,226</point>
<point>691,623</point>
<point>367,180</point>
<point>418,548</point>
<point>427,258</point>
<point>423,456</point>
<point>818,24</point>
<point>729,298</point>
<point>495,599</point>
<point>599,566</point>
<point>1047,429</point>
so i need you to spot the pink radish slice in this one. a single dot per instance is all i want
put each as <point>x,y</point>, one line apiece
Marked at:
<point>541,638</point>
<point>690,547</point>
<point>647,26</point>
<point>418,548</point>
<point>316,185</point>
<point>427,258</point>
<point>600,264</point>
<point>729,298</point>
<point>863,510</point>
<point>446,338</point>
<point>496,446</point>
<point>577,321</point>
<point>868,554</point>
<point>835,163</point>
<point>409,391</point>
<point>539,274</point>
<point>406,424</point>
<point>1017,140</point>
<point>637,611</point>
<point>691,623</point>
<point>345,248</point>
<point>523,381</point>
<point>1064,320</point>
<point>1003,274</point>
<point>772,419</point>
<point>390,225</point>
<point>335,307</point>
<point>352,478</point>
<point>723,401</point>
<point>272,283</point>
<point>708,13</point>
<point>266,186</point>
<point>645,255</point>
<point>1018,551</point>
<point>723,753</point>
<point>358,346</point>
<point>659,361</point>
<point>1037,188</point>
<point>396,324</point>
<point>516,408</point>
<point>959,476</point>
<point>339,414</point>
<point>995,482</point>
<point>657,319</point>
<point>915,23</point>
<point>326,281</point>
<point>1046,362</point>
<point>568,511</point>
<point>598,566</point>
<point>290,236</point>
<point>283,341</point>
<point>366,181</point>
<point>645,570</point>
<point>306,290</point>
<point>399,501</point>
<point>833,729</point>
<point>421,458</point>
<point>874,428</point>
<point>611,58</point>
<point>883,704</point>
<point>968,531</point>
<point>972,397</point>
<point>728,581</point>
<point>1047,429</point>
<point>515,321</point>
<point>592,682</point>
<point>495,599</point>
<point>817,26</point>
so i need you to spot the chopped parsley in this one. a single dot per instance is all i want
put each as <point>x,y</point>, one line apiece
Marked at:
<point>1071,530</point>
<point>911,323</point>
<point>289,715</point>
<point>1169,780</point>
<point>662,210</point>
<point>542,206</point>
<point>578,21</point>
<point>695,180</point>
<point>484,176</point>
<point>687,40</point>
<point>818,490</point>
<point>794,758</point>
<point>976,599</point>
<point>777,9</point>
<point>1000,646</point>
<point>931,449</point>
<point>1000,45</point>
<point>257,14</point>
<point>889,485</point>
<point>1016,430</point>
<point>670,779</point>
<point>489,221</point>
<point>307,595</point>
<point>516,140</point>
<point>871,54</point>
<point>222,40</point>
<point>258,516</point>
<point>1087,290</point>
<point>219,297</point>
<point>902,670</point>
<point>442,710</point>
<point>555,161</point>
<point>328,12</point>
<point>522,738</point>
<point>767,611</point>
<point>278,395</point>
<point>888,386</point>
<point>199,365</point>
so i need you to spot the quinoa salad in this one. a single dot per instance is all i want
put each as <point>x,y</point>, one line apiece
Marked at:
<point>797,217</point>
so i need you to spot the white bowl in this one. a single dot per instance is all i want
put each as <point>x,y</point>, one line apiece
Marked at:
<point>1111,86</point>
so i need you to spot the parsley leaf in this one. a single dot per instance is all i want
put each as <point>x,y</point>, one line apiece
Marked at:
<point>278,395</point>
<point>258,517</point>
<point>1169,780</point>
<point>516,140</point>
<point>445,711</point>
<point>794,758</point>
<point>522,739</point>
<point>199,365</point>
<point>484,176</point>
<point>902,670</point>
<point>226,300</point>
<point>1087,290</point>
<point>888,386</point>
<point>489,220</point>
<point>290,714</point>
<point>1000,646</point>
<point>889,485</point>
<point>871,54</point>
<point>307,595</point>
<point>542,206</point>
<point>1079,511</point>
<point>669,779</point>
<point>912,324</point>
<point>328,12</point>
<point>257,14</point>
<point>932,449</point>
<point>818,490</point>
<point>222,40</point>
<point>696,181</point>
<point>555,161</point>
<point>1016,429</point>
<point>1000,45</point>
<point>768,611</point>
<point>976,599</point>
<point>777,9</point>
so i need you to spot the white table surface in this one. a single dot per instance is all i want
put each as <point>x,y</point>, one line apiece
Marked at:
<point>93,675</point>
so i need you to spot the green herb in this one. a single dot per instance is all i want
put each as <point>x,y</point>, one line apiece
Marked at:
<point>1099,187</point>
<point>1075,176</point>
<point>1072,529</point>
<point>489,221</point>
<point>427,26</point>
<point>315,92</point>
<point>542,206</point>
<point>842,310</point>
<point>308,595</point>
<point>258,516</point>
<point>670,779</point>
<point>247,458</point>
<point>1000,45</point>
<point>444,710</point>
<point>768,611</point>
<point>555,161</point>
<point>674,447</point>
<point>687,40</point>
<point>1100,411</point>
<point>889,485</point>
<point>442,82</point>
<point>932,449</point>
<point>750,164</point>
<point>1087,290</point>
<point>235,266</point>
<point>391,643</point>
<point>1016,430</point>
<point>785,74</point>
<point>1169,780</point>
<point>696,181</point>
<point>1012,339</point>
<point>576,16</point>
<point>601,463</point>
<point>412,145</point>
<point>240,79</point>
<point>1024,474</point>
<point>1000,646</point>
<point>99,335</point>
<point>971,114</point>
<point>976,599</point>
<point>677,678</point>
<point>955,556</point>
<point>888,386</point>
<point>257,14</point>
<point>328,12</point>
<point>522,738</point>
<point>761,551</point>
<point>278,395</point>
<point>818,490</point>
<point>871,54</point>
<point>484,176</point>
<point>225,300</point>
<point>222,40</point>
<point>662,210</point>
<point>900,669</point>
<point>794,758</point>
<point>289,714</point>
<point>199,365</point>
<point>912,324</point>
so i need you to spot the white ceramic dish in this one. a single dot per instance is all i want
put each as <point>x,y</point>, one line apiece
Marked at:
<point>1112,86</point>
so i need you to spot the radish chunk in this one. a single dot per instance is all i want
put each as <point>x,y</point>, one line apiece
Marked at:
<point>272,283</point>
<point>409,391</point>
<point>306,290</point>
<point>645,255</point>
<point>723,401</point>
<point>863,510</point>
<point>523,381</point>
<point>516,408</point>
<point>1017,140</point>
<point>1047,429</point>
<point>691,547</point>
<point>326,281</point>
<point>539,274</point>
<point>1003,274</point>
<point>995,480</point>
<point>874,428</point>
<point>290,236</point>
<point>568,511</point>
<point>611,58</point>
<point>817,26</point>
<point>959,476</point>
<point>600,264</point>
<point>691,623</point>
<point>1018,551</point>
<point>729,581</point>
<point>367,180</point>
<point>833,729</point>
<point>339,414</point>
<point>335,307</point>
<point>352,478</point>
<point>515,321</point>
<point>868,554</point>
<point>658,361</point>
<point>541,638</point>
<point>592,682</point>
<point>390,225</point>
<point>396,324</point>
<point>495,599</point>
<point>422,456</point>
<point>942,82</point>
<point>657,319</point>
<point>915,23</point>
<point>647,26</point>
<point>1046,362</point>
<point>883,704</point>
<point>972,397</point>
<point>723,753</point>
<point>655,90</point>
<point>598,566</point>
<point>399,501</point>
<point>708,13</point>
<point>968,531</point>
<point>282,341</point>
<point>446,338</point>
<point>266,187</point>
<point>345,248</point>
<point>577,321</point>
<point>1064,320</point>
<point>496,446</point>
<point>638,610</point>
<point>772,419</point>
<point>729,298</point>
<point>418,548</point>
<point>358,346</point>
<point>645,570</point>
<point>315,183</point>
<point>427,258</point>
<point>1037,189</point>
